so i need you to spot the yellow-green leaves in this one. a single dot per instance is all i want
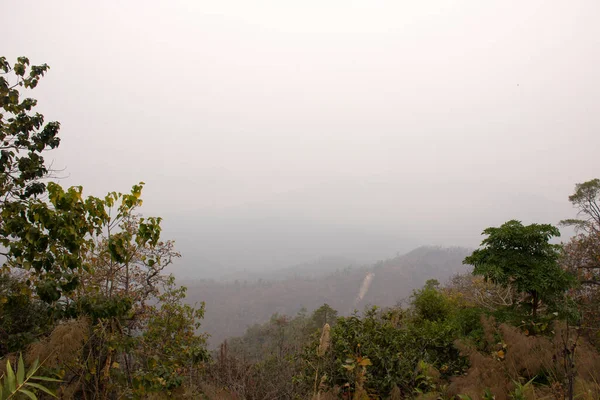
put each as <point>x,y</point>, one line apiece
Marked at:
<point>50,238</point>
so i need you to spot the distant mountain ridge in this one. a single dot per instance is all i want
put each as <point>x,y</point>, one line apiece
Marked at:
<point>232,306</point>
<point>322,266</point>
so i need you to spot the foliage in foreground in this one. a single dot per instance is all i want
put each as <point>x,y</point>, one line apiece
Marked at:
<point>16,383</point>
<point>82,282</point>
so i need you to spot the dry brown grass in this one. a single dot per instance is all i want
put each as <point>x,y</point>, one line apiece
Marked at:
<point>520,358</point>
<point>64,344</point>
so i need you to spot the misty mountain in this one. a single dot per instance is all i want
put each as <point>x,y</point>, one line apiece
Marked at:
<point>219,246</point>
<point>314,269</point>
<point>361,220</point>
<point>232,306</point>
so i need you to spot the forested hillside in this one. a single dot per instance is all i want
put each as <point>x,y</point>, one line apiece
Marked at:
<point>233,306</point>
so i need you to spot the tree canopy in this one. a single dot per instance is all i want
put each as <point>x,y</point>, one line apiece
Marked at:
<point>23,134</point>
<point>82,286</point>
<point>586,200</point>
<point>522,256</point>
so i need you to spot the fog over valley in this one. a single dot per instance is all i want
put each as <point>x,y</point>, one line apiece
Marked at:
<point>271,135</point>
<point>363,220</point>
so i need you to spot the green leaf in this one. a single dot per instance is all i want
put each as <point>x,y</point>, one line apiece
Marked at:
<point>20,371</point>
<point>45,378</point>
<point>10,378</point>
<point>28,394</point>
<point>33,368</point>
<point>40,387</point>
<point>19,69</point>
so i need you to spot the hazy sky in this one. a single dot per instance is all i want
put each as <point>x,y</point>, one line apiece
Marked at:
<point>274,132</point>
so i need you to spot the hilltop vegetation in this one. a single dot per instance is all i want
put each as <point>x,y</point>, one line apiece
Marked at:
<point>87,312</point>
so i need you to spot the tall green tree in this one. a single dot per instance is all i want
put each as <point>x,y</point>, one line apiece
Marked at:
<point>44,238</point>
<point>96,263</point>
<point>23,134</point>
<point>523,257</point>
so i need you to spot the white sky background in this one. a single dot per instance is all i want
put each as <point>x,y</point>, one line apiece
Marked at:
<point>273,132</point>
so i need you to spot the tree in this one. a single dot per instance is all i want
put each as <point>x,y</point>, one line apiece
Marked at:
<point>522,257</point>
<point>125,252</point>
<point>127,310</point>
<point>582,254</point>
<point>101,310</point>
<point>430,303</point>
<point>587,200</point>
<point>133,308</point>
<point>23,135</point>
<point>46,238</point>
<point>321,316</point>
<point>475,291</point>
<point>169,347</point>
<point>22,317</point>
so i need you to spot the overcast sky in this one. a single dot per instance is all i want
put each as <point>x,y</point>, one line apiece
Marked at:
<point>274,132</point>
